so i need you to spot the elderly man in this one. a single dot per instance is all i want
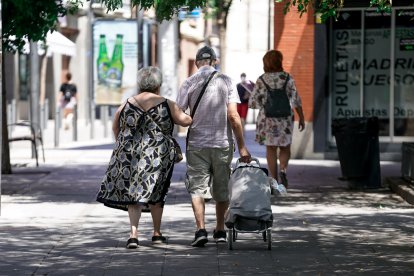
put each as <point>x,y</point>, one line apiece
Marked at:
<point>212,100</point>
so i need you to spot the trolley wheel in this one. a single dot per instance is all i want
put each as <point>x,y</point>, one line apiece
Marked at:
<point>264,236</point>
<point>269,239</point>
<point>230,239</point>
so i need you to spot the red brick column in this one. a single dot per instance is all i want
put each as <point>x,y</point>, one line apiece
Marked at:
<point>294,37</point>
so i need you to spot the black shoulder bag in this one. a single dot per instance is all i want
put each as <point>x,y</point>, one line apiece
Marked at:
<point>277,104</point>
<point>197,102</point>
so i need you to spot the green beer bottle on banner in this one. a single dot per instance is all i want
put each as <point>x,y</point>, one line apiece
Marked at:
<point>103,62</point>
<point>114,75</point>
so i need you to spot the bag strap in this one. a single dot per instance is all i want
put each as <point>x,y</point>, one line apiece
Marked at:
<point>268,87</point>
<point>287,80</point>
<point>247,88</point>
<point>197,103</point>
<point>201,94</point>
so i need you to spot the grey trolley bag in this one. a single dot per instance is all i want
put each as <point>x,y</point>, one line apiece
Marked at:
<point>250,207</point>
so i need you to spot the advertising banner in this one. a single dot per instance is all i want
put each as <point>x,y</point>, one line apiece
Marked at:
<point>115,57</point>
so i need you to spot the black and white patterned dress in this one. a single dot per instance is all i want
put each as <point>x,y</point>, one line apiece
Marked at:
<point>142,162</point>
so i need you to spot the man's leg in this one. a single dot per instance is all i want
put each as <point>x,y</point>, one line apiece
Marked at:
<point>199,211</point>
<point>198,177</point>
<point>221,208</point>
<point>221,171</point>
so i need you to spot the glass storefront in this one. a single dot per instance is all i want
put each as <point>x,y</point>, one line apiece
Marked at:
<point>372,69</point>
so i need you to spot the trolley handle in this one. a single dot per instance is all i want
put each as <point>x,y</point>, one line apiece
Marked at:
<point>252,159</point>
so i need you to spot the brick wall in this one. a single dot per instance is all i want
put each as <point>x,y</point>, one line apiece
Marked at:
<point>294,37</point>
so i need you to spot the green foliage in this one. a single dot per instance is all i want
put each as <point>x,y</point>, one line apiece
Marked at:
<point>381,5</point>
<point>31,20</point>
<point>329,8</point>
<point>166,9</point>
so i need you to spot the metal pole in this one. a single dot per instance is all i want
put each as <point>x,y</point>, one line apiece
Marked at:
<point>91,74</point>
<point>268,23</point>
<point>75,123</point>
<point>34,87</point>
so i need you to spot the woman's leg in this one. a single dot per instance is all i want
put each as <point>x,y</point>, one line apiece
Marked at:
<point>134,212</point>
<point>271,156</point>
<point>156,213</point>
<point>284,156</point>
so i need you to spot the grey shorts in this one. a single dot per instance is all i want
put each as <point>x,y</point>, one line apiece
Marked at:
<point>208,172</point>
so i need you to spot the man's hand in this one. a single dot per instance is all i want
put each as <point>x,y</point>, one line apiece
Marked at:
<point>245,156</point>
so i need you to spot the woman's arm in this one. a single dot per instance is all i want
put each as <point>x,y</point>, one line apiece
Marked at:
<point>179,117</point>
<point>115,122</point>
<point>236,125</point>
<point>301,118</point>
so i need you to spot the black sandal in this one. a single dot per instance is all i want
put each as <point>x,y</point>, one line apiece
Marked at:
<point>132,243</point>
<point>159,239</point>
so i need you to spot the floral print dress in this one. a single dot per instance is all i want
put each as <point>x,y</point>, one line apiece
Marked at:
<point>274,131</point>
<point>141,165</point>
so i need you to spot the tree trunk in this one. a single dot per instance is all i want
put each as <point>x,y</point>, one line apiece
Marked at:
<point>223,47</point>
<point>5,149</point>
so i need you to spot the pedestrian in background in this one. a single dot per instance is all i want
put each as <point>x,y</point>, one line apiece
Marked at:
<point>276,132</point>
<point>210,140</point>
<point>67,99</point>
<point>141,166</point>
<point>244,88</point>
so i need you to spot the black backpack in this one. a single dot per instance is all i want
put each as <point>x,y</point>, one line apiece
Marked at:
<point>277,104</point>
<point>68,90</point>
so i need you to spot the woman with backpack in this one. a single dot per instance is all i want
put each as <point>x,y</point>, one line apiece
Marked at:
<point>276,96</point>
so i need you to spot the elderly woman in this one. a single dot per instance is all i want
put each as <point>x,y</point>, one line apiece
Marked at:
<point>276,132</point>
<point>142,162</point>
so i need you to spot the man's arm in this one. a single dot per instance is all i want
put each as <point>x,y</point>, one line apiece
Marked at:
<point>236,125</point>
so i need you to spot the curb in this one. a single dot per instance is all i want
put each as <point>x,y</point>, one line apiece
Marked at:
<point>401,187</point>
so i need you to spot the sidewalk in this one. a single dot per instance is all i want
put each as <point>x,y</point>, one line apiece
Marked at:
<point>50,224</point>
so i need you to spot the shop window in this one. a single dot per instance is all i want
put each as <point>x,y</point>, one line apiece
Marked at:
<point>404,73</point>
<point>376,68</point>
<point>346,62</point>
<point>372,68</point>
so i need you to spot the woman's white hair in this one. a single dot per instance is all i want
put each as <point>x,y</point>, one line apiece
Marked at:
<point>149,79</point>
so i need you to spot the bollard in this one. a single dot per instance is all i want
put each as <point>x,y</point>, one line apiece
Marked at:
<point>42,117</point>
<point>9,118</point>
<point>13,111</point>
<point>58,116</point>
<point>92,120</point>
<point>75,123</point>
<point>104,119</point>
<point>46,118</point>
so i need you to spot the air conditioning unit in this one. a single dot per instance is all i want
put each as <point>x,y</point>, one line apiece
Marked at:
<point>407,162</point>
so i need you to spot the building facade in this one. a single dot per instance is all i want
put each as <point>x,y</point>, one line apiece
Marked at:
<point>361,64</point>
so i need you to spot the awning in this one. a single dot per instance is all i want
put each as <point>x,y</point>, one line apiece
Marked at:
<point>56,43</point>
<point>60,44</point>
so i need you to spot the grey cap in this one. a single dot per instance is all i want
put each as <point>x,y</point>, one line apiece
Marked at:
<point>206,53</point>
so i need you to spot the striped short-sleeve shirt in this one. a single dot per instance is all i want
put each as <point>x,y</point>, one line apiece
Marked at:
<point>210,127</point>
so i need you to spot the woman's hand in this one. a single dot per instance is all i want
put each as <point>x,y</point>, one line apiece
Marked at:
<point>301,124</point>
